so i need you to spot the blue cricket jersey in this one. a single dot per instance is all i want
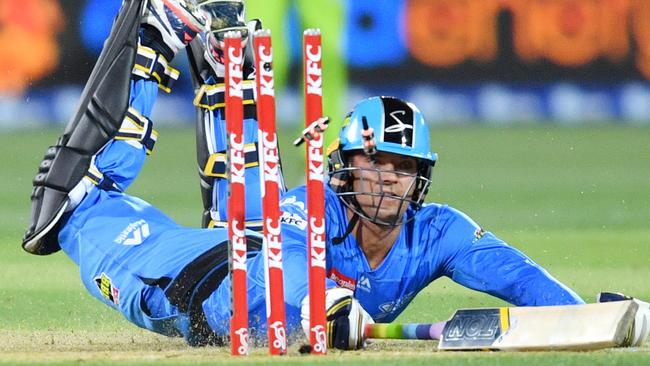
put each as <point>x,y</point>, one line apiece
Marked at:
<point>438,241</point>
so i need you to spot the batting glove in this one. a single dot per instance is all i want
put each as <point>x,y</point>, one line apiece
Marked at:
<point>641,319</point>
<point>346,319</point>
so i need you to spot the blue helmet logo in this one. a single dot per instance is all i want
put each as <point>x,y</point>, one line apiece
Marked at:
<point>398,126</point>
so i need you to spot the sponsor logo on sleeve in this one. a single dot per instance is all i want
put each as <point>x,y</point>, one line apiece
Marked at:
<point>107,288</point>
<point>478,234</point>
<point>342,280</point>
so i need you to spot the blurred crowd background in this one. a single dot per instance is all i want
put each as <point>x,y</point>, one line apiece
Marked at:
<point>460,61</point>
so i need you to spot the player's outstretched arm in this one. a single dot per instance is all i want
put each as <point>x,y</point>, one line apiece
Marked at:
<point>494,267</point>
<point>479,260</point>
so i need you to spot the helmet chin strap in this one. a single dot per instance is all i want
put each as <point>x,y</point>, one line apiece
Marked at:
<point>353,222</point>
<point>369,148</point>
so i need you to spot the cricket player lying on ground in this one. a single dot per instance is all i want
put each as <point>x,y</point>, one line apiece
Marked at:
<point>383,244</point>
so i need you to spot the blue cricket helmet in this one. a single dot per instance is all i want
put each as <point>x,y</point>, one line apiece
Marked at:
<point>399,128</point>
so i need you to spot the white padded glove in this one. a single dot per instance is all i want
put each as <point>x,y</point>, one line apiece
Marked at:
<point>641,319</point>
<point>346,319</point>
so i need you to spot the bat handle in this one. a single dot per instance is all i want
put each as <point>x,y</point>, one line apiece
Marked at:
<point>430,331</point>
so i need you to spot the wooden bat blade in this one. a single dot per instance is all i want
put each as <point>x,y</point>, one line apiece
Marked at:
<point>570,327</point>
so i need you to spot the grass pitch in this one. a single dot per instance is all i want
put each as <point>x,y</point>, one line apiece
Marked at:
<point>574,199</point>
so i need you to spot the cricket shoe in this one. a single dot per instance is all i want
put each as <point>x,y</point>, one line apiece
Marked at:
<point>224,16</point>
<point>177,21</point>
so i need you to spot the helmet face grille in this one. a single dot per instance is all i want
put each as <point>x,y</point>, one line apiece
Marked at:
<point>375,201</point>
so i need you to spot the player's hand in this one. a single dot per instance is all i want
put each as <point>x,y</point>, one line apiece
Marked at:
<point>641,320</point>
<point>346,319</point>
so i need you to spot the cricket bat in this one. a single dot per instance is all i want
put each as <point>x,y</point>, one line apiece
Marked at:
<point>537,328</point>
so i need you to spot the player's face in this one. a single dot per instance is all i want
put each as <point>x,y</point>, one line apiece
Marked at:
<point>384,184</point>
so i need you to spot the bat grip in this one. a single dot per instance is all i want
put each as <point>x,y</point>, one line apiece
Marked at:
<point>430,331</point>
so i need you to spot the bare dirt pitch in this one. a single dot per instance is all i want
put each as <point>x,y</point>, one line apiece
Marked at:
<point>136,346</point>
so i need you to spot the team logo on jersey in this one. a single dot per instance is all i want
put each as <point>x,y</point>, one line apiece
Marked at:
<point>107,288</point>
<point>398,123</point>
<point>134,234</point>
<point>342,280</point>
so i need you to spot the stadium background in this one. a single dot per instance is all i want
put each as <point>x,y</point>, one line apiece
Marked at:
<point>496,61</point>
<point>541,111</point>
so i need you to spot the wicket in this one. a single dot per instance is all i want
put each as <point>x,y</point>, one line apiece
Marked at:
<point>234,59</point>
<point>313,76</point>
<point>270,183</point>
